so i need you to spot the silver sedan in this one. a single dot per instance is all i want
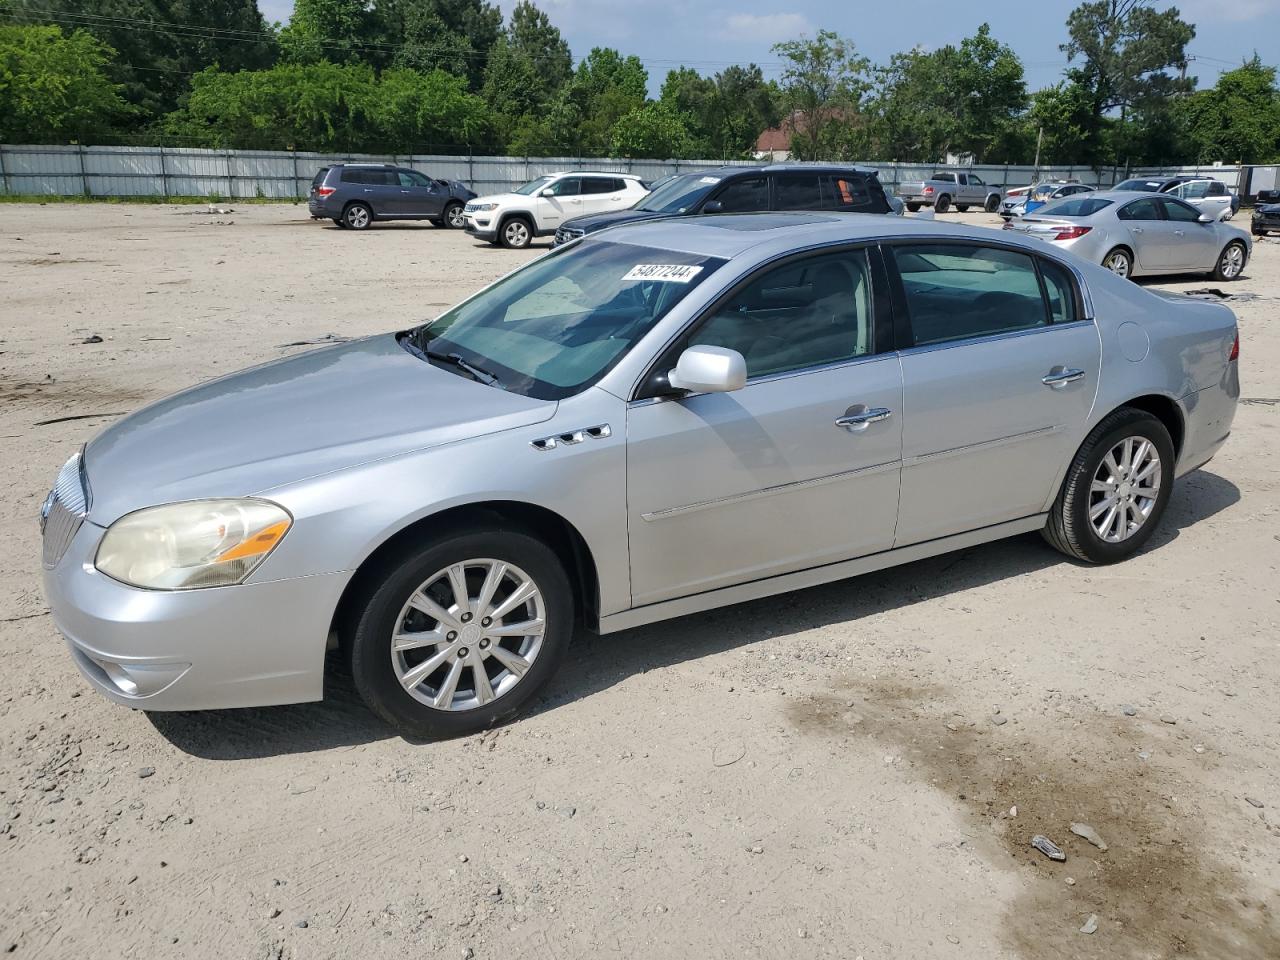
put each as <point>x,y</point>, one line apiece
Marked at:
<point>655,420</point>
<point>1140,234</point>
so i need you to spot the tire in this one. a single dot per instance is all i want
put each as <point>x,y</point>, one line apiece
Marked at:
<point>453,218</point>
<point>358,216</point>
<point>913,207</point>
<point>962,208</point>
<point>340,222</point>
<point>992,204</point>
<point>417,710</point>
<point>1231,262</point>
<point>1120,262</point>
<point>516,233</point>
<point>942,204</point>
<point>1070,528</point>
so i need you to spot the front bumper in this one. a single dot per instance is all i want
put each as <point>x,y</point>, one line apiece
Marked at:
<point>255,644</point>
<point>1266,221</point>
<point>480,226</point>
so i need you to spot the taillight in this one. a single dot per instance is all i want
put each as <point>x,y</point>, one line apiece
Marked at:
<point>1071,233</point>
<point>1235,348</point>
<point>325,191</point>
<point>928,191</point>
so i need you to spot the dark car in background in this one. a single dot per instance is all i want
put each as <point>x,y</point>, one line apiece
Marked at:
<point>748,189</point>
<point>1266,217</point>
<point>354,195</point>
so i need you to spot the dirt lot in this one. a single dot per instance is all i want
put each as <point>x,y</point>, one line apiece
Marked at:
<point>826,774</point>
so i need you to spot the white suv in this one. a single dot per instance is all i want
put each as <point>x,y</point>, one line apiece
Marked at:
<point>541,205</point>
<point>1211,196</point>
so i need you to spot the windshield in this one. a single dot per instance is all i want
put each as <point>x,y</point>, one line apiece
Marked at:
<point>1074,207</point>
<point>679,194</point>
<point>558,325</point>
<point>1149,186</point>
<point>533,186</point>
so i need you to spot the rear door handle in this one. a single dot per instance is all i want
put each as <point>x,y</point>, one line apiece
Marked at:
<point>864,418</point>
<point>1135,229</point>
<point>1061,376</point>
<point>1179,233</point>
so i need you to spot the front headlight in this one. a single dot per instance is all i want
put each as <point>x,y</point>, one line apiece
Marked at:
<point>483,207</point>
<point>183,546</point>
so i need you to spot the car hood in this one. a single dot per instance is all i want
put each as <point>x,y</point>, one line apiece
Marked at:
<point>1268,208</point>
<point>504,198</point>
<point>598,221</point>
<point>290,419</point>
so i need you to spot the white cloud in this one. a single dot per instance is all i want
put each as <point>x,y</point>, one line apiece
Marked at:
<point>768,26</point>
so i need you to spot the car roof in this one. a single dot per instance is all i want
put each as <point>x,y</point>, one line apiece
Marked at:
<point>728,235</point>
<point>590,173</point>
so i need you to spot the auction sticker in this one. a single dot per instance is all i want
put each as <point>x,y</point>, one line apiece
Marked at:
<point>663,272</point>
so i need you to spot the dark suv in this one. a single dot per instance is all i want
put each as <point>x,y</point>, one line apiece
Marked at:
<point>356,194</point>
<point>747,190</point>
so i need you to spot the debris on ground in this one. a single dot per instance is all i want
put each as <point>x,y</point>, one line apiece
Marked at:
<point>92,338</point>
<point>1090,925</point>
<point>1086,832</point>
<point>1048,847</point>
<point>1254,803</point>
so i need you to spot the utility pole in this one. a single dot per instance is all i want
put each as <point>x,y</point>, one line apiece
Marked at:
<point>1039,140</point>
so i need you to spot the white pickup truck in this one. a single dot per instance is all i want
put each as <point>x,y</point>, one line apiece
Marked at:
<point>947,188</point>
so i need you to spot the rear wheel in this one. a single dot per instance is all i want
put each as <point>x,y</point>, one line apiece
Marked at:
<point>462,632</point>
<point>1116,489</point>
<point>913,207</point>
<point>358,216</point>
<point>992,204</point>
<point>942,204</point>
<point>1119,262</point>
<point>1231,262</point>
<point>516,233</point>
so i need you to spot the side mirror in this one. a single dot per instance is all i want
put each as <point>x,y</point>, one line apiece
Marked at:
<point>1205,218</point>
<point>712,206</point>
<point>548,192</point>
<point>705,369</point>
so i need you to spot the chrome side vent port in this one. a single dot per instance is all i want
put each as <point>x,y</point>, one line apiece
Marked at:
<point>598,432</point>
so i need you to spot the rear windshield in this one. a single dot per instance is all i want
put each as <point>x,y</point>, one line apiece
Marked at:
<point>1074,207</point>
<point>319,177</point>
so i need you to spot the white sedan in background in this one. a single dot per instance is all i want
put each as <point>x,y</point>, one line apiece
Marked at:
<point>1140,234</point>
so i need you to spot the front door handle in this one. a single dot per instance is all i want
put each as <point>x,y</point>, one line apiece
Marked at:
<point>1061,376</point>
<point>863,418</point>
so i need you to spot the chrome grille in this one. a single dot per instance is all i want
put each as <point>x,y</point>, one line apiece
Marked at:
<point>565,234</point>
<point>64,511</point>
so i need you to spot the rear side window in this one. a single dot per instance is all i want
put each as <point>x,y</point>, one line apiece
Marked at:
<point>853,194</point>
<point>799,191</point>
<point>1217,189</point>
<point>959,292</point>
<point>1059,291</point>
<point>744,196</point>
<point>598,185</point>
<point>807,313</point>
<point>378,178</point>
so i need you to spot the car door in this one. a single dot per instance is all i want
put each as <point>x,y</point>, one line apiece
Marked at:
<point>742,195</point>
<point>600,194</point>
<point>975,190</point>
<point>420,196</point>
<point>999,371</point>
<point>563,203</point>
<point>1150,236</point>
<point>1192,244</point>
<point>796,469</point>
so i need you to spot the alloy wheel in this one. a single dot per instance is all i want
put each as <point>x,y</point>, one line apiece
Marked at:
<point>1118,264</point>
<point>1124,490</point>
<point>1232,261</point>
<point>468,634</point>
<point>358,217</point>
<point>457,217</point>
<point>516,233</point>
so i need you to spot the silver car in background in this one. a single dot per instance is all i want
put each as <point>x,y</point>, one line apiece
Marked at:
<point>655,420</point>
<point>1140,234</point>
<point>1040,193</point>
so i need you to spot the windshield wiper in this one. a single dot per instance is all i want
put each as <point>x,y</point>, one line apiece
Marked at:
<point>476,373</point>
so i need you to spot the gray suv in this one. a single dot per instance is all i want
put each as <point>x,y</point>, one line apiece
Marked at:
<point>354,195</point>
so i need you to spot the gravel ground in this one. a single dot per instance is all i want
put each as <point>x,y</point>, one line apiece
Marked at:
<point>856,770</point>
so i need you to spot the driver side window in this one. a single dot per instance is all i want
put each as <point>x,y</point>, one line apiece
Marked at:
<point>806,313</point>
<point>567,187</point>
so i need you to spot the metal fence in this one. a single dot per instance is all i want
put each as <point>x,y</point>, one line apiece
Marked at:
<point>162,172</point>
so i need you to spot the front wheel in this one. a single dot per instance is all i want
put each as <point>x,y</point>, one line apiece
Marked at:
<point>1119,262</point>
<point>358,216</point>
<point>1116,489</point>
<point>913,207</point>
<point>454,217</point>
<point>461,633</point>
<point>1231,262</point>
<point>992,204</point>
<point>942,205</point>
<point>516,233</point>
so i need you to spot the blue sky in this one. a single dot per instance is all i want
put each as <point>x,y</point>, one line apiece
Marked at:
<point>712,34</point>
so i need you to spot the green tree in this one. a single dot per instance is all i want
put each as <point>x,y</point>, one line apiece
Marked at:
<point>1238,120</point>
<point>823,83</point>
<point>654,130</point>
<point>453,35</point>
<point>53,86</point>
<point>158,44</point>
<point>605,87</point>
<point>988,81</point>
<point>411,109</point>
<point>1061,118</point>
<point>335,30</point>
<point>724,114</point>
<point>527,68</point>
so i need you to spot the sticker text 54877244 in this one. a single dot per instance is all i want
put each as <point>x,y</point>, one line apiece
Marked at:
<point>663,272</point>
